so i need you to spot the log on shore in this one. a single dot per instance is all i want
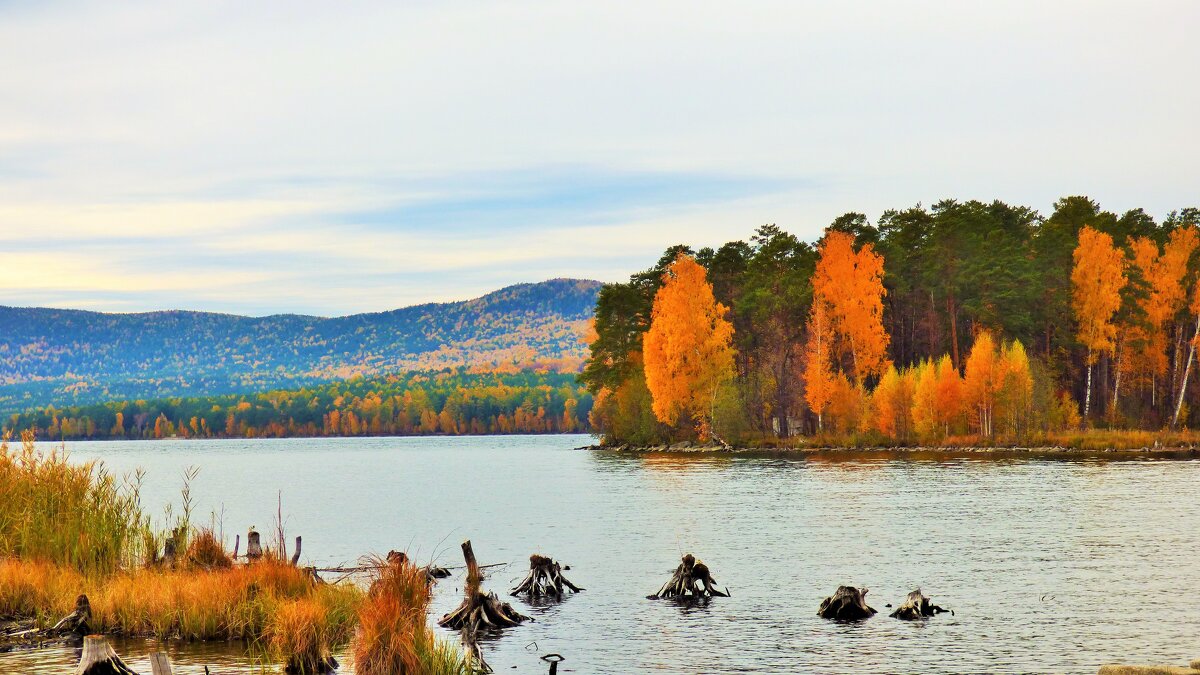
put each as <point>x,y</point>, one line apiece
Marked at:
<point>846,604</point>
<point>545,580</point>
<point>917,606</point>
<point>98,658</point>
<point>691,580</point>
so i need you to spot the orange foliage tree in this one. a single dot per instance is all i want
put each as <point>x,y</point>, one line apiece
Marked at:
<point>1163,273</point>
<point>688,349</point>
<point>849,284</point>
<point>1096,282</point>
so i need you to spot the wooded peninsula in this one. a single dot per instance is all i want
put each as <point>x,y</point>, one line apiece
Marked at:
<point>966,323</point>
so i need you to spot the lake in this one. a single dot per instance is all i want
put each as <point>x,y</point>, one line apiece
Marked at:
<point>1051,565</point>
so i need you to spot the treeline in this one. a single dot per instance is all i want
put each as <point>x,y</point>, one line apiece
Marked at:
<point>451,402</point>
<point>966,318</point>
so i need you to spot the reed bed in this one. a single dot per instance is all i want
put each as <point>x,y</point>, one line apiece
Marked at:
<point>394,637</point>
<point>64,512</point>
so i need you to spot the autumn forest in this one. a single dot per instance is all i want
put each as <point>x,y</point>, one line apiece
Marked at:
<point>969,322</point>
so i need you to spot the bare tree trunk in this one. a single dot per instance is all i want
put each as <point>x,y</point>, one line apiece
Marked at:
<point>1117,384</point>
<point>1087,399</point>
<point>1187,369</point>
<point>953,332</point>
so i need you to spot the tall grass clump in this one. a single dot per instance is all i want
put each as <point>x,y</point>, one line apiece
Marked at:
<point>393,636</point>
<point>72,514</point>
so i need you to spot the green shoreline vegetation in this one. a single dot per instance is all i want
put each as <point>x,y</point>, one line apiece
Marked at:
<point>447,402</point>
<point>69,529</point>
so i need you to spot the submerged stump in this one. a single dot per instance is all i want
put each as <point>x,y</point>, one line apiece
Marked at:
<point>545,580</point>
<point>917,606</point>
<point>691,580</point>
<point>846,604</point>
<point>98,658</point>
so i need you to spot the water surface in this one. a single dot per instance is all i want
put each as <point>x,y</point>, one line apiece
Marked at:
<point>1050,565</point>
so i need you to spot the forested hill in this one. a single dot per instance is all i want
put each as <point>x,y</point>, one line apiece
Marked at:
<point>59,357</point>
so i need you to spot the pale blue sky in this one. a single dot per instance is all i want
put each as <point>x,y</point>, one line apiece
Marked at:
<point>333,158</point>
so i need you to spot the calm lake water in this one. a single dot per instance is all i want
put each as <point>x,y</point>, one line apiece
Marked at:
<point>1050,565</point>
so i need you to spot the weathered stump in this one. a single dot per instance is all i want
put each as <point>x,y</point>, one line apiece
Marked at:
<point>253,545</point>
<point>296,553</point>
<point>160,664</point>
<point>545,580</point>
<point>917,606</point>
<point>847,604</point>
<point>98,658</point>
<point>77,621</point>
<point>479,611</point>
<point>432,572</point>
<point>168,557</point>
<point>691,580</point>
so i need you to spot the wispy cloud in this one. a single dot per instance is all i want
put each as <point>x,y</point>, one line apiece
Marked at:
<point>303,157</point>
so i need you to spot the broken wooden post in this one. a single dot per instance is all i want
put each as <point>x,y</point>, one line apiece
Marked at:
<point>168,559</point>
<point>237,542</point>
<point>98,658</point>
<point>545,579</point>
<point>160,664</point>
<point>296,554</point>
<point>253,545</point>
<point>917,606</point>
<point>473,573</point>
<point>846,604</point>
<point>691,580</point>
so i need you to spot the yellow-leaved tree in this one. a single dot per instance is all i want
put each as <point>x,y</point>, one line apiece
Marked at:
<point>688,349</point>
<point>1096,284</point>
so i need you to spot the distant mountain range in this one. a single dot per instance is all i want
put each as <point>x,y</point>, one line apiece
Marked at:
<point>61,357</point>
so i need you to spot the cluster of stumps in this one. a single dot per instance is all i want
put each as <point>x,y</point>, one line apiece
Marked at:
<point>849,604</point>
<point>691,581</point>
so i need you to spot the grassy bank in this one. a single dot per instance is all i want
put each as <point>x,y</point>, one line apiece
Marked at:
<point>68,529</point>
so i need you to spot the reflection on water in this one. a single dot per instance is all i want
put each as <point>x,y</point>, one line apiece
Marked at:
<point>1050,565</point>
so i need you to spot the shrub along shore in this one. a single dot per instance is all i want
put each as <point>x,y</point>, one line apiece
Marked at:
<point>72,536</point>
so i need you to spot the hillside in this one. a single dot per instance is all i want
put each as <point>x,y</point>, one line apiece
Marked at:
<point>70,357</point>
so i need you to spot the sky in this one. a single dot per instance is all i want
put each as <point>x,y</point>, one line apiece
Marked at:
<point>334,158</point>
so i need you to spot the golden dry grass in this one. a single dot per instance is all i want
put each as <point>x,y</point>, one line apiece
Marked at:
<point>393,636</point>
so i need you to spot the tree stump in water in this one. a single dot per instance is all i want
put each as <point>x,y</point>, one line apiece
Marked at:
<point>917,606</point>
<point>432,572</point>
<point>847,604</point>
<point>545,580</point>
<point>479,610</point>
<point>691,580</point>
<point>98,658</point>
